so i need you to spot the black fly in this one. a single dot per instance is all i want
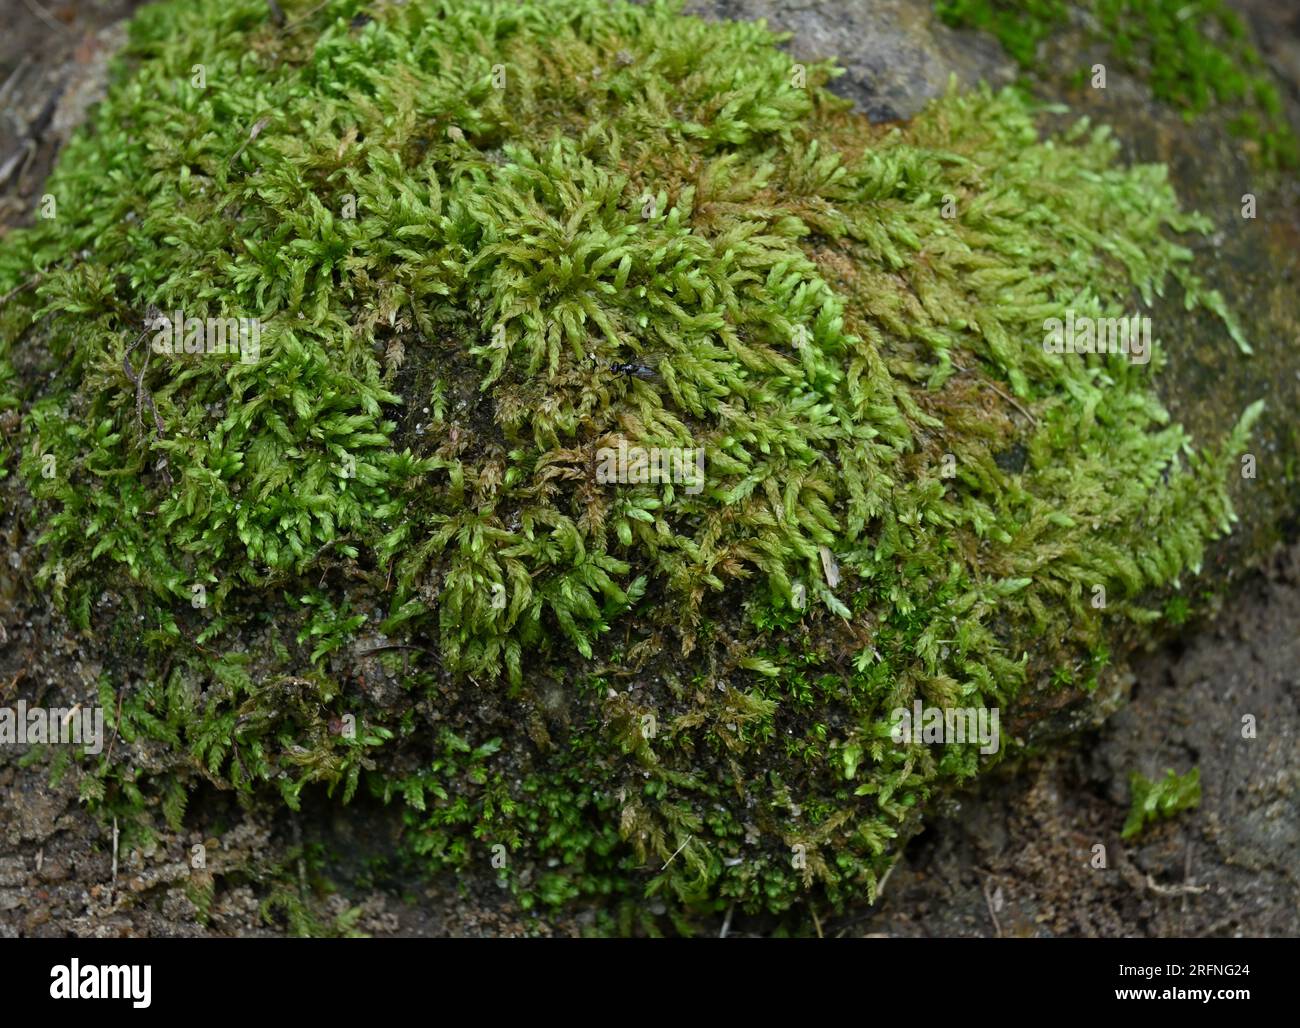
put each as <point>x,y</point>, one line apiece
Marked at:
<point>643,368</point>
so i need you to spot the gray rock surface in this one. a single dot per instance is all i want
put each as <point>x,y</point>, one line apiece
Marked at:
<point>895,55</point>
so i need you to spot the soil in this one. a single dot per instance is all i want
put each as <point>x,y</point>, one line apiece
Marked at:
<point>1014,857</point>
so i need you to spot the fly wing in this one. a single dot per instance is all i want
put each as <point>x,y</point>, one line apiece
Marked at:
<point>648,365</point>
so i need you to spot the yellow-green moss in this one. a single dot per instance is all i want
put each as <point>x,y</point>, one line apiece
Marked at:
<point>849,321</point>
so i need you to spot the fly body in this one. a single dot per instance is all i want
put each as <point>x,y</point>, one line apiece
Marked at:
<point>644,368</point>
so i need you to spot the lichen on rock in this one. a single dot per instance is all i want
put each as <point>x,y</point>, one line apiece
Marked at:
<point>487,244</point>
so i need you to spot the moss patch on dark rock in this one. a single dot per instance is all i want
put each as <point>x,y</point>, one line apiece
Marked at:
<point>1196,56</point>
<point>484,242</point>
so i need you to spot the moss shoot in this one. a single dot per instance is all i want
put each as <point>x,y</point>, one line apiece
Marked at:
<point>1195,55</point>
<point>485,241</point>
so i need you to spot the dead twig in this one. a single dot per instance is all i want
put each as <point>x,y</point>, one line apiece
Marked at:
<point>253,133</point>
<point>117,720</point>
<point>1137,879</point>
<point>19,288</point>
<point>1182,889</point>
<point>19,70</point>
<point>112,888</point>
<point>142,395</point>
<point>997,389</point>
<point>674,856</point>
<point>391,646</point>
<point>988,899</point>
<point>880,889</point>
<point>19,157</point>
<point>303,17</point>
<point>16,165</point>
<point>46,16</point>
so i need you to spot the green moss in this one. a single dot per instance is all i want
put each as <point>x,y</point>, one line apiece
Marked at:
<point>411,575</point>
<point>1196,55</point>
<point>296,895</point>
<point>1153,801</point>
<point>1019,26</point>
